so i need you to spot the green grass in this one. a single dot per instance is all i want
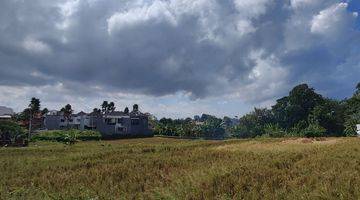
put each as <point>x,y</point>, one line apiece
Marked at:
<point>66,135</point>
<point>162,168</point>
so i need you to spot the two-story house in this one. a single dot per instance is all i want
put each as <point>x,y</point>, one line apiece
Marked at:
<point>111,125</point>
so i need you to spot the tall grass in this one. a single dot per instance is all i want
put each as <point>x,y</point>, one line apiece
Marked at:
<point>163,168</point>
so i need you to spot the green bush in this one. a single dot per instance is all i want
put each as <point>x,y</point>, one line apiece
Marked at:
<point>350,125</point>
<point>12,130</point>
<point>314,130</point>
<point>274,130</point>
<point>67,136</point>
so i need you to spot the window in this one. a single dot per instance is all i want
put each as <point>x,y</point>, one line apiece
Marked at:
<point>121,129</point>
<point>110,121</point>
<point>121,120</point>
<point>135,121</point>
<point>71,120</point>
<point>62,120</point>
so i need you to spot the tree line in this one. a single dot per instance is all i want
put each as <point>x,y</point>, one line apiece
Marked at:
<point>302,113</point>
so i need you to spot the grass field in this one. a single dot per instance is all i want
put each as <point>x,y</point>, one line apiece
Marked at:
<point>162,168</point>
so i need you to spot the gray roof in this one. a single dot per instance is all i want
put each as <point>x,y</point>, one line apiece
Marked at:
<point>6,111</point>
<point>116,113</point>
<point>80,114</point>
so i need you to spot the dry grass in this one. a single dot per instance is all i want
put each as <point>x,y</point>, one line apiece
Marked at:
<point>160,168</point>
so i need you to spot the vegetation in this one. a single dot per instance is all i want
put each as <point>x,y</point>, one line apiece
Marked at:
<point>11,132</point>
<point>207,127</point>
<point>32,111</point>
<point>67,136</point>
<point>302,113</point>
<point>67,111</point>
<point>162,168</point>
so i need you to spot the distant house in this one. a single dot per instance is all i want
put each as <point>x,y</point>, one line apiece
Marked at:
<point>358,129</point>
<point>55,120</point>
<point>111,125</point>
<point>6,113</point>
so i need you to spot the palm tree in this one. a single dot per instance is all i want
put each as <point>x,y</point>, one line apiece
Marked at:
<point>135,108</point>
<point>111,107</point>
<point>126,110</point>
<point>104,107</point>
<point>67,112</point>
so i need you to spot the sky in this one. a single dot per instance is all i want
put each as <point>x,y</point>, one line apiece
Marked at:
<point>176,58</point>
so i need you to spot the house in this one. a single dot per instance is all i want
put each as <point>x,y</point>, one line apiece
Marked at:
<point>56,120</point>
<point>119,124</point>
<point>358,129</point>
<point>111,125</point>
<point>6,113</point>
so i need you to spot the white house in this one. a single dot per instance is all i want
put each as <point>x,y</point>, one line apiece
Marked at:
<point>55,120</point>
<point>358,129</point>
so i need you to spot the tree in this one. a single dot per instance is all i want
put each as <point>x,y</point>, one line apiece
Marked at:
<point>67,112</point>
<point>126,110</point>
<point>44,111</point>
<point>97,111</point>
<point>104,107</point>
<point>253,124</point>
<point>329,115</point>
<point>111,107</point>
<point>352,112</point>
<point>290,110</point>
<point>135,107</point>
<point>34,105</point>
<point>212,128</point>
<point>350,124</point>
<point>107,108</point>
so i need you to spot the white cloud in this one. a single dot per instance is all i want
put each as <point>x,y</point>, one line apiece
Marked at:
<point>251,8</point>
<point>268,78</point>
<point>333,21</point>
<point>36,46</point>
<point>157,11</point>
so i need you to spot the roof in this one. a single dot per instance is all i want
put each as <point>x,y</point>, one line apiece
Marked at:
<point>5,117</point>
<point>116,113</point>
<point>137,113</point>
<point>80,114</point>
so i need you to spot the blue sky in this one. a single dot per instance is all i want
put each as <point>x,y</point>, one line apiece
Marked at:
<point>176,58</point>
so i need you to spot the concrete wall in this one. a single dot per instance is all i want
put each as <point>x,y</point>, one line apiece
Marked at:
<point>52,122</point>
<point>123,126</point>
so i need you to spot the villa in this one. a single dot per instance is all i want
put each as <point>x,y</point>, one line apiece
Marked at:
<point>111,125</point>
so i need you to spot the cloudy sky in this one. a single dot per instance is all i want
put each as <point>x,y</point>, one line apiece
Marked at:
<point>175,58</point>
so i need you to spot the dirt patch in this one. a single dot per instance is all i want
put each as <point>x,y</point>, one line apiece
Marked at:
<point>311,141</point>
<point>292,144</point>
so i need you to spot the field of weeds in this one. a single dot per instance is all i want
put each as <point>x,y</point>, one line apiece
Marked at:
<point>163,168</point>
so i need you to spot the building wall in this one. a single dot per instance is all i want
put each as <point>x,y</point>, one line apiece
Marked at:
<point>52,122</point>
<point>141,127</point>
<point>120,126</point>
<point>123,128</point>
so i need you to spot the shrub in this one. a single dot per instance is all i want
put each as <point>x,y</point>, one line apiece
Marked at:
<point>314,130</point>
<point>11,132</point>
<point>274,130</point>
<point>67,136</point>
<point>350,125</point>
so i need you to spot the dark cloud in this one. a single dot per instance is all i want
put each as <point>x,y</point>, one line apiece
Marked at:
<point>202,48</point>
